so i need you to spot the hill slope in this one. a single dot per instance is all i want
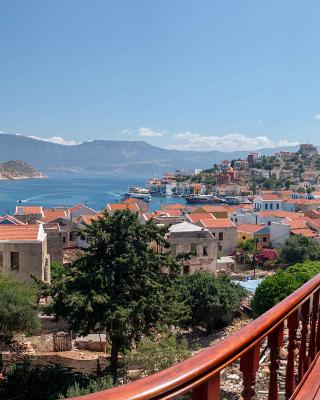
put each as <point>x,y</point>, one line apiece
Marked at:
<point>109,156</point>
<point>18,170</point>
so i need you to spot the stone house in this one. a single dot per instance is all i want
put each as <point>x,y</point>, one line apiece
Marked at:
<point>23,252</point>
<point>29,214</point>
<point>225,231</point>
<point>189,238</point>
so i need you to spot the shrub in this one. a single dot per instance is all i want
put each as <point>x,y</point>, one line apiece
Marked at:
<point>211,300</point>
<point>277,287</point>
<point>38,382</point>
<point>299,248</point>
<point>157,352</point>
<point>18,309</point>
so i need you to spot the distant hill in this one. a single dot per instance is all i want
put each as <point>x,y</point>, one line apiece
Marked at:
<point>18,170</point>
<point>110,156</point>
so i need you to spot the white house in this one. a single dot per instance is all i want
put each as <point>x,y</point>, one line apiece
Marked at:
<point>266,201</point>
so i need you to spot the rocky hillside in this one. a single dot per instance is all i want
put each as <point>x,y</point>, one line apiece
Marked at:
<point>18,170</point>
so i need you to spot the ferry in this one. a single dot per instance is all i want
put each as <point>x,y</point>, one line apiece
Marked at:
<point>204,199</point>
<point>136,192</point>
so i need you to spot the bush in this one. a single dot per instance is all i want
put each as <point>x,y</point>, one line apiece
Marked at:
<point>211,300</point>
<point>299,248</point>
<point>157,352</point>
<point>37,382</point>
<point>277,287</point>
<point>18,309</point>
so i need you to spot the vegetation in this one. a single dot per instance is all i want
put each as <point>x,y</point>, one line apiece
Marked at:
<point>18,309</point>
<point>299,248</point>
<point>37,382</point>
<point>118,285</point>
<point>277,287</point>
<point>158,351</point>
<point>211,300</point>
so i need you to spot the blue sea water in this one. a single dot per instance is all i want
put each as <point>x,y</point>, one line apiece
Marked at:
<point>68,190</point>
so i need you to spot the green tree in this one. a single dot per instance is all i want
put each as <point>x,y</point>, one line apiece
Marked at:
<point>277,287</point>
<point>299,248</point>
<point>211,300</point>
<point>18,309</point>
<point>118,285</point>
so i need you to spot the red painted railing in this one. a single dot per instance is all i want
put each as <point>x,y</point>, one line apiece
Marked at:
<point>200,374</point>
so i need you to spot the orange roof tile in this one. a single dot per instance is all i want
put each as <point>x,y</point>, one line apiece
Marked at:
<point>52,214</point>
<point>19,232</point>
<point>281,214</point>
<point>269,197</point>
<point>304,232</point>
<point>177,206</point>
<point>211,208</point>
<point>29,209</point>
<point>249,228</point>
<point>197,217</point>
<point>217,223</point>
<point>133,207</point>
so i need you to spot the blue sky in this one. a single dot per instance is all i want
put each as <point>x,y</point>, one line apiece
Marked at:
<point>183,74</point>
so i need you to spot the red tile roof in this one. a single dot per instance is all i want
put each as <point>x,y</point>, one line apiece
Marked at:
<point>269,197</point>
<point>304,232</point>
<point>193,218</point>
<point>52,214</point>
<point>19,232</point>
<point>217,223</point>
<point>133,207</point>
<point>249,228</point>
<point>211,208</point>
<point>281,214</point>
<point>28,210</point>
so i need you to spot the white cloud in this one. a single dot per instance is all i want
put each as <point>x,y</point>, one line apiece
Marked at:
<point>229,142</point>
<point>57,140</point>
<point>317,116</point>
<point>148,132</point>
<point>127,131</point>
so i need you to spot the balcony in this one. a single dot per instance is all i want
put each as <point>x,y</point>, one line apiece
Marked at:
<point>199,375</point>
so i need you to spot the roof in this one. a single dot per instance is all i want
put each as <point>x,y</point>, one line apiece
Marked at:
<point>217,223</point>
<point>10,220</point>
<point>52,214</point>
<point>185,227</point>
<point>168,213</point>
<point>281,214</point>
<point>307,232</point>
<point>88,219</point>
<point>20,232</point>
<point>133,207</point>
<point>78,207</point>
<point>193,218</point>
<point>269,197</point>
<point>28,210</point>
<point>249,228</point>
<point>176,206</point>
<point>211,208</point>
<point>302,201</point>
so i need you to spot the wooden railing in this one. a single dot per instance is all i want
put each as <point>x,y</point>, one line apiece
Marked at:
<point>199,375</point>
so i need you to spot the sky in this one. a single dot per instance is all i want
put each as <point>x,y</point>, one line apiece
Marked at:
<point>190,75</point>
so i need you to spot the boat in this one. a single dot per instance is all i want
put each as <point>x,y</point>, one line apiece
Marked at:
<point>136,192</point>
<point>204,199</point>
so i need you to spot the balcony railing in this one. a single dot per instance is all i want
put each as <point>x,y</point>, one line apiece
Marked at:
<point>200,374</point>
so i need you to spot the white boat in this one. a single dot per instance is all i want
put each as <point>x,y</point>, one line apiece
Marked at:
<point>136,192</point>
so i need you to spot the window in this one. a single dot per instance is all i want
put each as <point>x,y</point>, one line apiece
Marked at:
<point>278,206</point>
<point>193,250</point>
<point>186,269</point>
<point>264,239</point>
<point>1,259</point>
<point>266,206</point>
<point>271,206</point>
<point>14,261</point>
<point>243,238</point>
<point>205,250</point>
<point>219,248</point>
<point>220,235</point>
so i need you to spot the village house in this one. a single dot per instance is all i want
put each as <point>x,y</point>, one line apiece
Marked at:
<point>225,231</point>
<point>81,209</point>
<point>266,201</point>
<point>302,205</point>
<point>217,211</point>
<point>259,233</point>
<point>28,214</point>
<point>189,238</point>
<point>257,173</point>
<point>241,164</point>
<point>23,252</point>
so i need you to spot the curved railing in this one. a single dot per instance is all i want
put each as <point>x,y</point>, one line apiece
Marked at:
<point>200,374</point>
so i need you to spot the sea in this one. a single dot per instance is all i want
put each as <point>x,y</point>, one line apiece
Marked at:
<point>67,190</point>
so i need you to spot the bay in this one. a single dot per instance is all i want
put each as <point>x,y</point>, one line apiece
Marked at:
<point>67,190</point>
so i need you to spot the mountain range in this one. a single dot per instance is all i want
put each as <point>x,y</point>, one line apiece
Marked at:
<point>136,158</point>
